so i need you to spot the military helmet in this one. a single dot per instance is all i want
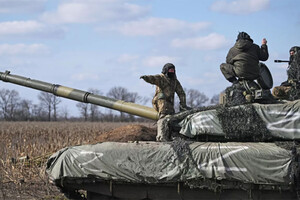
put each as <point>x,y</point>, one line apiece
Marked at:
<point>166,68</point>
<point>244,35</point>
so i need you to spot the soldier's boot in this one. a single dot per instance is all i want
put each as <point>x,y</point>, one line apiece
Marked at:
<point>163,133</point>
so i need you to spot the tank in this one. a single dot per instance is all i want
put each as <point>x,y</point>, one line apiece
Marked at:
<point>229,151</point>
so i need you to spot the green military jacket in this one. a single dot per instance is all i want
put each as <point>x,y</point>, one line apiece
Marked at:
<point>166,88</point>
<point>245,55</point>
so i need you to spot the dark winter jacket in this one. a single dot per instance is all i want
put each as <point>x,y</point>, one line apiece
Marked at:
<point>245,56</point>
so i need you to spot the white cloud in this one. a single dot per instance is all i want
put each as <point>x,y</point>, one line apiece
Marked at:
<point>194,81</point>
<point>90,11</point>
<point>240,6</point>
<point>211,42</point>
<point>23,49</point>
<point>125,58</point>
<point>29,28</point>
<point>158,26</point>
<point>21,6</point>
<point>85,76</point>
<point>158,61</point>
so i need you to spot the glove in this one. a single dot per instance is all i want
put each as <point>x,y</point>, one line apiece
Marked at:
<point>142,77</point>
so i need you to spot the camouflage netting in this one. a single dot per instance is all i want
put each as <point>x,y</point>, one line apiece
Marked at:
<point>294,93</point>
<point>294,169</point>
<point>241,123</point>
<point>234,95</point>
<point>181,148</point>
<point>238,127</point>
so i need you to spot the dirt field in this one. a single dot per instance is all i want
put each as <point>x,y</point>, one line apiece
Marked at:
<point>25,147</point>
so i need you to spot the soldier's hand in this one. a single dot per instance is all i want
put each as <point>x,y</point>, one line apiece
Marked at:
<point>142,77</point>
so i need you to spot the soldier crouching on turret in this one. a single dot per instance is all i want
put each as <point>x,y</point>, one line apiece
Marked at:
<point>242,68</point>
<point>243,58</point>
<point>163,101</point>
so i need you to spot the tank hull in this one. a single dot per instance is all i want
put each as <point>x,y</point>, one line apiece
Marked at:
<point>176,169</point>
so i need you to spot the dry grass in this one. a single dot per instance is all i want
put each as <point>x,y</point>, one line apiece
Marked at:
<point>23,178</point>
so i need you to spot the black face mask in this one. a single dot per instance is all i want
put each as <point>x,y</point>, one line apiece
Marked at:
<point>291,59</point>
<point>171,74</point>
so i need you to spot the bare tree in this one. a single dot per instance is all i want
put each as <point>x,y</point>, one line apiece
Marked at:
<point>89,111</point>
<point>4,103</point>
<point>9,101</point>
<point>83,109</point>
<point>25,110</point>
<point>65,113</point>
<point>38,113</point>
<point>49,101</point>
<point>121,93</point>
<point>215,100</point>
<point>55,102</point>
<point>194,98</point>
<point>94,109</point>
<point>118,93</point>
<point>46,101</point>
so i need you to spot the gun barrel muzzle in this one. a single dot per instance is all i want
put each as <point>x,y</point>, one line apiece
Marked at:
<point>280,61</point>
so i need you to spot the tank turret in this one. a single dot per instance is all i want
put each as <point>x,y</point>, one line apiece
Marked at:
<point>82,96</point>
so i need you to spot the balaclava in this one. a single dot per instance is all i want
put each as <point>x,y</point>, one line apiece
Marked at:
<point>169,70</point>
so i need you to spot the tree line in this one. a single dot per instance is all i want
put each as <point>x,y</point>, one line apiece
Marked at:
<point>15,108</point>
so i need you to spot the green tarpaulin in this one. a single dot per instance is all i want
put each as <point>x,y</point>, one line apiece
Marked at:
<point>152,162</point>
<point>281,120</point>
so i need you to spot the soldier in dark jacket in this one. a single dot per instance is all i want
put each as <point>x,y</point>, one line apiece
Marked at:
<point>166,86</point>
<point>243,58</point>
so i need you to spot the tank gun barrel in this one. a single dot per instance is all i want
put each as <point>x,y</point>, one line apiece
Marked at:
<point>82,96</point>
<point>280,61</point>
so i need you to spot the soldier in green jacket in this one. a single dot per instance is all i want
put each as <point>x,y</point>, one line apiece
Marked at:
<point>243,58</point>
<point>166,86</point>
<point>163,100</point>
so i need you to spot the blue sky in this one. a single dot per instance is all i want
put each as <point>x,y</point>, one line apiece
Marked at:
<point>105,43</point>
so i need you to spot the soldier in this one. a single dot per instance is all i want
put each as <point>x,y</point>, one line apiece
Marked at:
<point>163,100</point>
<point>289,88</point>
<point>243,58</point>
<point>166,86</point>
<point>293,72</point>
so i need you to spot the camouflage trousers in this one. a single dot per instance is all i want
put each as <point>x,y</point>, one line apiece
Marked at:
<point>163,132</point>
<point>163,107</point>
<point>281,92</point>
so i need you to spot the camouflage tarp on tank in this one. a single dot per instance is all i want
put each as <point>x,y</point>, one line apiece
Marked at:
<point>155,163</point>
<point>262,121</point>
